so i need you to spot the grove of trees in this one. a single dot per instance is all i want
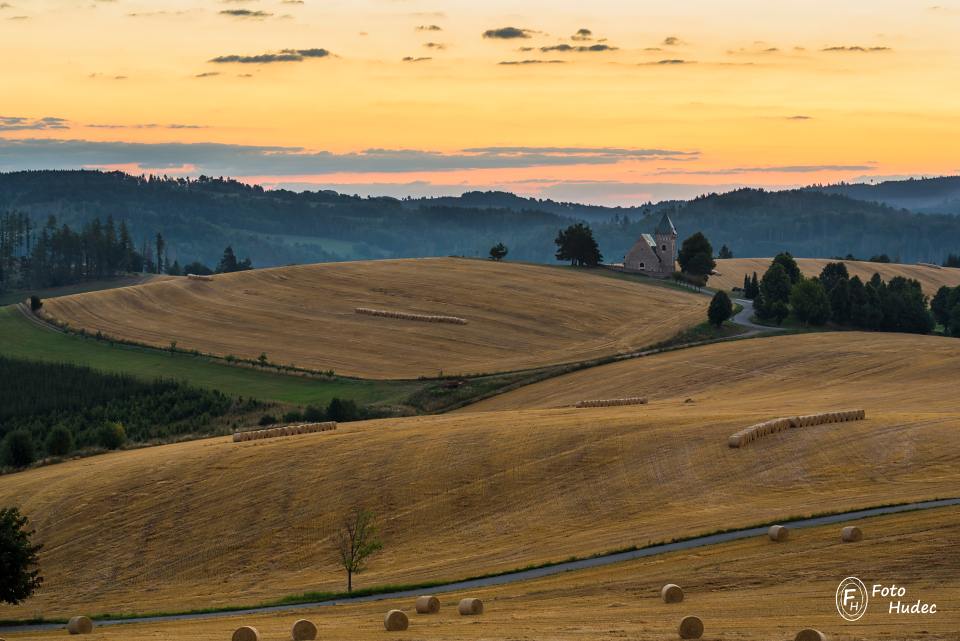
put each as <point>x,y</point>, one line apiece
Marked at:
<point>52,409</point>
<point>895,306</point>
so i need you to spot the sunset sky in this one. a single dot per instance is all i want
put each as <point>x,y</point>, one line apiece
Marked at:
<point>603,101</point>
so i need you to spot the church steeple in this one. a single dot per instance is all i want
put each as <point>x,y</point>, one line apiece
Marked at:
<point>666,228</point>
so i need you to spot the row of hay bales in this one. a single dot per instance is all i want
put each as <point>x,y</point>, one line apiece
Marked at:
<point>394,621</point>
<point>199,277</point>
<point>849,534</point>
<point>286,430</point>
<point>426,318</point>
<point>691,627</point>
<point>754,432</point>
<point>613,402</point>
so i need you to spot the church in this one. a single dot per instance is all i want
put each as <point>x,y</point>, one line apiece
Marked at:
<point>654,255</point>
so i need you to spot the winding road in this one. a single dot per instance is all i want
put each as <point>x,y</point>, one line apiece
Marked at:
<point>527,575</point>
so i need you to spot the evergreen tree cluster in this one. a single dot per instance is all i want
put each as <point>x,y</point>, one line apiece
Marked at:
<point>896,306</point>
<point>50,409</point>
<point>53,254</point>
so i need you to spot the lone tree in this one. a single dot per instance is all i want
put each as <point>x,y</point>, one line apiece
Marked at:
<point>577,244</point>
<point>721,309</point>
<point>696,256</point>
<point>356,542</point>
<point>498,252</point>
<point>229,263</point>
<point>19,563</point>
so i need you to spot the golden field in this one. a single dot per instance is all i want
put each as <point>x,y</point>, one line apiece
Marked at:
<point>519,316</point>
<point>212,523</point>
<point>777,376</point>
<point>749,590</point>
<point>731,272</point>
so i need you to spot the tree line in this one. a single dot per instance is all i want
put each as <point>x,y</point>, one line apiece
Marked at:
<point>53,409</point>
<point>54,254</point>
<point>835,297</point>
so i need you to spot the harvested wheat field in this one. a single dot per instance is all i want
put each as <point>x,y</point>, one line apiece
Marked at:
<point>778,376</point>
<point>212,523</point>
<point>517,316</point>
<point>731,272</point>
<point>750,590</point>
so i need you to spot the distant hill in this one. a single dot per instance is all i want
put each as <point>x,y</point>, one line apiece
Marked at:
<point>926,195</point>
<point>813,224</point>
<point>199,217</point>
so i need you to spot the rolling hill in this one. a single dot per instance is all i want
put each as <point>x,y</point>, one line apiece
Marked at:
<point>212,523</point>
<point>518,316</point>
<point>749,590</point>
<point>732,271</point>
<point>781,374</point>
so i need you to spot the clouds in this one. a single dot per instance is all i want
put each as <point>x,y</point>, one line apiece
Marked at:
<point>775,169</point>
<point>532,62</point>
<point>246,13</point>
<point>856,49</point>
<point>16,123</point>
<point>284,55</point>
<point>579,49</point>
<point>507,33</point>
<point>252,160</point>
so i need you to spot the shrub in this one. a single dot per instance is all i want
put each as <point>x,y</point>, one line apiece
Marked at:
<point>721,309</point>
<point>342,411</point>
<point>111,435</point>
<point>59,441</point>
<point>35,303</point>
<point>292,417</point>
<point>267,419</point>
<point>313,414</point>
<point>18,450</point>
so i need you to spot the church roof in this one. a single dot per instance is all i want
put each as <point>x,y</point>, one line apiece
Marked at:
<point>650,241</point>
<point>666,226</point>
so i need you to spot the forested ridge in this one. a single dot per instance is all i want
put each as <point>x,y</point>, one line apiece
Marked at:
<point>199,217</point>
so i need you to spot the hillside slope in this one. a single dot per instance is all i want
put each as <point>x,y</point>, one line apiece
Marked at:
<point>212,523</point>
<point>748,590</point>
<point>518,316</point>
<point>732,271</point>
<point>779,374</point>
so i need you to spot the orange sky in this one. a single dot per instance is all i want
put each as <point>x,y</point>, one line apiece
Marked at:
<point>655,101</point>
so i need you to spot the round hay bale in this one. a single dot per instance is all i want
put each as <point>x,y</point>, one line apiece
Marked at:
<point>810,635</point>
<point>736,440</point>
<point>851,534</point>
<point>795,422</point>
<point>427,605</point>
<point>396,621</point>
<point>470,607</point>
<point>303,630</point>
<point>80,625</point>
<point>778,533</point>
<point>691,628</point>
<point>246,633</point>
<point>671,593</point>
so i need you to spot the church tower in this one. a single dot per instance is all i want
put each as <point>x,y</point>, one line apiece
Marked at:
<point>666,238</point>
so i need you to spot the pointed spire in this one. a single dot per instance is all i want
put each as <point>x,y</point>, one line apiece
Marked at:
<point>666,228</point>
